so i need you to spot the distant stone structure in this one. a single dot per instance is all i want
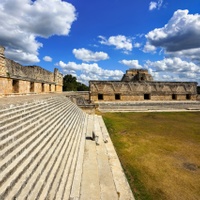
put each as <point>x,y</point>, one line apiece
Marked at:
<point>138,85</point>
<point>18,79</point>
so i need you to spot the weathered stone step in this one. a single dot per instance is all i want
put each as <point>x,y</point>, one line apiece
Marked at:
<point>107,185</point>
<point>18,172</point>
<point>16,109</point>
<point>90,188</point>
<point>21,156</point>
<point>74,159</point>
<point>24,116</point>
<point>76,185</point>
<point>12,135</point>
<point>40,165</point>
<point>63,167</point>
<point>121,183</point>
<point>26,141</point>
<point>148,105</point>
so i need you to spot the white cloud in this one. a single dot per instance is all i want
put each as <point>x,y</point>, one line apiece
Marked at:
<point>155,5</point>
<point>131,63</point>
<point>174,64</point>
<point>179,39</point>
<point>90,71</point>
<point>176,69</point>
<point>87,55</point>
<point>137,45</point>
<point>22,21</point>
<point>152,5</point>
<point>149,48</point>
<point>181,33</point>
<point>47,59</point>
<point>119,41</point>
<point>188,54</point>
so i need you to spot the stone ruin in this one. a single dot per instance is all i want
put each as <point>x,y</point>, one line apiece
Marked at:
<point>138,85</point>
<point>18,79</point>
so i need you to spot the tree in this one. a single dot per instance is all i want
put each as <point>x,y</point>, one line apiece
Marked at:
<point>70,84</point>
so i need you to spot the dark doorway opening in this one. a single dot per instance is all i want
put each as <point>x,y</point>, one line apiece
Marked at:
<point>42,87</point>
<point>49,87</point>
<point>15,86</point>
<point>147,96</point>
<point>100,96</point>
<point>174,96</point>
<point>117,96</point>
<point>31,86</point>
<point>188,96</point>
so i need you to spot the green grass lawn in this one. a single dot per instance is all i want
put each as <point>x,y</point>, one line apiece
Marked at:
<point>160,153</point>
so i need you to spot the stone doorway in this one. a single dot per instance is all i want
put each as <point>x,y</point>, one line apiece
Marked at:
<point>42,87</point>
<point>147,96</point>
<point>31,86</point>
<point>15,86</point>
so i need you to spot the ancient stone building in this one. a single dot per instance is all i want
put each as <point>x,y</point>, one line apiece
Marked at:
<point>18,79</point>
<point>138,85</point>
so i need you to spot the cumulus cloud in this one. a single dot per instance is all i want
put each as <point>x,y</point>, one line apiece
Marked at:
<point>87,55</point>
<point>179,39</point>
<point>181,33</point>
<point>176,69</point>
<point>188,54</point>
<point>90,71</point>
<point>174,64</point>
<point>22,21</point>
<point>119,41</point>
<point>47,59</point>
<point>131,63</point>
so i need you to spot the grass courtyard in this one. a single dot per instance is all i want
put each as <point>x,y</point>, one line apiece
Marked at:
<point>160,153</point>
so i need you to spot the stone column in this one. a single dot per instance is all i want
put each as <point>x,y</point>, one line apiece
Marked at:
<point>3,71</point>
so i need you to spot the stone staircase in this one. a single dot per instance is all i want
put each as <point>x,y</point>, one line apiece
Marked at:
<point>51,149</point>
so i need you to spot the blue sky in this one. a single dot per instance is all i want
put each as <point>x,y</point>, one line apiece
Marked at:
<point>100,40</point>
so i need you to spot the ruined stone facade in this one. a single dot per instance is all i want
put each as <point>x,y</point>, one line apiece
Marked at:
<point>18,79</point>
<point>138,85</point>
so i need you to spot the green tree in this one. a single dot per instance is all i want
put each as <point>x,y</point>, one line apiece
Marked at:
<point>70,84</point>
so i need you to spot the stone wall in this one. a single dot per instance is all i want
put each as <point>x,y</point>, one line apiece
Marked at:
<point>15,78</point>
<point>139,91</point>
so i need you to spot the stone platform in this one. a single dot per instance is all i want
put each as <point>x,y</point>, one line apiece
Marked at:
<point>148,106</point>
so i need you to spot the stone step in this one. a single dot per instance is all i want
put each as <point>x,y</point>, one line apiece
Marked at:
<point>12,135</point>
<point>20,115</point>
<point>148,105</point>
<point>14,141</point>
<point>62,179</point>
<point>21,149</point>
<point>120,181</point>
<point>11,180</point>
<point>23,143</point>
<point>107,185</point>
<point>90,188</point>
<point>28,119</point>
<point>16,109</point>
<point>24,116</point>
<point>45,170</point>
<point>74,163</point>
<point>76,185</point>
